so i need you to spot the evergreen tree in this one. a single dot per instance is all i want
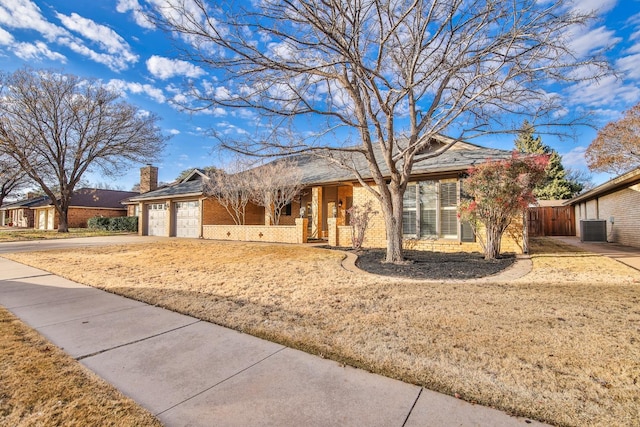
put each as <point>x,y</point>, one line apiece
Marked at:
<point>557,183</point>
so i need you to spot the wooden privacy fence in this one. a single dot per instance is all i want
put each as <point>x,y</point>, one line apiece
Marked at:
<point>551,221</point>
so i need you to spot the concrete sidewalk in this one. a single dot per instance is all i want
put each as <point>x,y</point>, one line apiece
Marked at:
<point>190,372</point>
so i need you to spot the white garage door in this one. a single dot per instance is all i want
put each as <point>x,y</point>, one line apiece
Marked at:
<point>187,219</point>
<point>156,222</point>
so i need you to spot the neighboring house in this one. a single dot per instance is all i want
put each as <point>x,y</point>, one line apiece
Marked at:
<point>85,203</point>
<point>19,213</point>
<point>610,211</point>
<point>430,205</point>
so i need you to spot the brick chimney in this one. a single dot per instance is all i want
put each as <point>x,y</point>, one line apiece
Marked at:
<point>148,178</point>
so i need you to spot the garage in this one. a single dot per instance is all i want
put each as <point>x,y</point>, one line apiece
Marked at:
<point>157,215</point>
<point>187,219</point>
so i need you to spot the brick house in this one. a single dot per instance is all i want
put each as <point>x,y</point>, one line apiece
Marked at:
<point>85,203</point>
<point>430,214</point>
<point>610,211</point>
<point>19,213</point>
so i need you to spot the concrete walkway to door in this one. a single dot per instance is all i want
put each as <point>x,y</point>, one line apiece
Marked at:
<point>628,255</point>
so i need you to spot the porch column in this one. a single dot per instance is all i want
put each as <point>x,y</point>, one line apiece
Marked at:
<point>316,212</point>
<point>142,219</point>
<point>302,225</point>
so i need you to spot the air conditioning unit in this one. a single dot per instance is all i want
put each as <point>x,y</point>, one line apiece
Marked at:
<point>593,230</point>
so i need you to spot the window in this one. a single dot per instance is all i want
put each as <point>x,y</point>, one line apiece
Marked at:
<point>431,210</point>
<point>409,218</point>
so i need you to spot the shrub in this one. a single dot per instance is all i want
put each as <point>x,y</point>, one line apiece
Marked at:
<point>119,223</point>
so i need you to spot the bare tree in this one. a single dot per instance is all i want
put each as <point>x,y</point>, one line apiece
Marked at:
<point>232,191</point>
<point>58,126</point>
<point>274,186</point>
<point>12,178</point>
<point>395,74</point>
<point>616,148</point>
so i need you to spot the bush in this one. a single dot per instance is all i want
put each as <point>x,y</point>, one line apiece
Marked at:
<point>119,223</point>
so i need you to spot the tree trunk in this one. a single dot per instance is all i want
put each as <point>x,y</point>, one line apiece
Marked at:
<point>494,238</point>
<point>392,212</point>
<point>63,222</point>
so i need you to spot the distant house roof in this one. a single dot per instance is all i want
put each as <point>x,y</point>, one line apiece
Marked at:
<point>622,181</point>
<point>191,185</point>
<point>24,203</point>
<point>89,198</point>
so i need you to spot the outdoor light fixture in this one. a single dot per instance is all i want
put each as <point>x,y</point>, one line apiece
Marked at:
<point>340,203</point>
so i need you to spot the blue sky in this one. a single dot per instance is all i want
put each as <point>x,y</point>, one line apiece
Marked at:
<point>110,40</point>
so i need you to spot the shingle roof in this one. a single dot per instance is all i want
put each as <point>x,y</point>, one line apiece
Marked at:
<point>319,170</point>
<point>83,197</point>
<point>459,158</point>
<point>25,203</point>
<point>194,187</point>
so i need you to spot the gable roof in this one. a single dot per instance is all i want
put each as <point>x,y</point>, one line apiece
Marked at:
<point>622,181</point>
<point>191,186</point>
<point>459,158</point>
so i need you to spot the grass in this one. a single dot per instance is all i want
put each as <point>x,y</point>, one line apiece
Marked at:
<point>560,345</point>
<point>42,386</point>
<point>15,235</point>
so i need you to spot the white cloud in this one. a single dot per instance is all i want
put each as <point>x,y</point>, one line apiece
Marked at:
<point>603,93</point>
<point>227,128</point>
<point>600,7</point>
<point>25,14</point>
<point>124,87</point>
<point>5,37</point>
<point>574,159</point>
<point>630,65</point>
<point>165,68</point>
<point>113,52</point>
<point>593,40</point>
<point>111,41</point>
<point>174,131</point>
<point>124,6</point>
<point>28,51</point>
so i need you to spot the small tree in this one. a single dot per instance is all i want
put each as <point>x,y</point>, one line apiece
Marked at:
<point>616,148</point>
<point>499,191</point>
<point>274,186</point>
<point>360,217</point>
<point>232,191</point>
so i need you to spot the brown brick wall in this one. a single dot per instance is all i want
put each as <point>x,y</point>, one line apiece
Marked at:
<point>78,217</point>
<point>215,214</point>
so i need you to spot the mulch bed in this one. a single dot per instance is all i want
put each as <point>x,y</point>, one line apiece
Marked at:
<point>432,265</point>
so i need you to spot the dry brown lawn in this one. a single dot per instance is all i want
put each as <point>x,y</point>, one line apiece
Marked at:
<point>42,386</point>
<point>8,234</point>
<point>560,345</point>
